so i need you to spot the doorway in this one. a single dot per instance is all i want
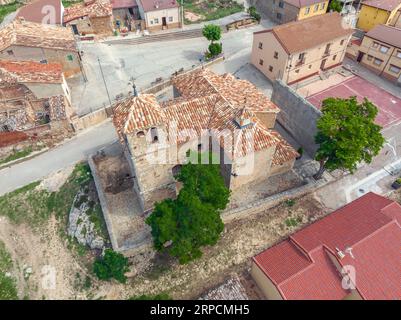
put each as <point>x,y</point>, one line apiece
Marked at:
<point>322,64</point>
<point>75,29</point>
<point>360,56</point>
<point>164,22</point>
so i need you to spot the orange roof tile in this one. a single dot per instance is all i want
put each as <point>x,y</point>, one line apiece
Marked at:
<point>30,72</point>
<point>95,9</point>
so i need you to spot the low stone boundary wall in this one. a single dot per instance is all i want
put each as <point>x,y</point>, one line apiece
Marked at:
<point>270,202</point>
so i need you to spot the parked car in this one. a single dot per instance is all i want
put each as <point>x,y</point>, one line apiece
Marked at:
<point>396,184</point>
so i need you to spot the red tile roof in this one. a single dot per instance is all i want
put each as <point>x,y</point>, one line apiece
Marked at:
<point>310,32</point>
<point>36,11</point>
<point>387,34</point>
<point>121,4</point>
<point>30,72</point>
<point>208,101</point>
<point>94,9</point>
<point>388,5</point>
<point>153,5</point>
<point>300,267</point>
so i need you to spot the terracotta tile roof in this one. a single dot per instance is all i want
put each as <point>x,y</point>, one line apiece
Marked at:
<point>153,5</point>
<point>310,32</point>
<point>95,9</point>
<point>121,4</point>
<point>34,11</point>
<point>388,5</point>
<point>31,34</point>
<point>237,92</point>
<point>30,72</point>
<point>194,112</point>
<point>300,266</point>
<point>387,34</point>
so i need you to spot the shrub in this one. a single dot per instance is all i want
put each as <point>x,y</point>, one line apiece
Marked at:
<point>254,14</point>
<point>111,265</point>
<point>215,49</point>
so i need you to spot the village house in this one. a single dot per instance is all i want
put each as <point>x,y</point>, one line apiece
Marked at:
<point>353,253</point>
<point>33,94</point>
<point>217,113</point>
<point>160,14</point>
<point>320,44</point>
<point>23,40</point>
<point>92,17</point>
<point>126,15</point>
<point>283,11</point>
<point>43,11</point>
<point>375,12</point>
<point>379,51</point>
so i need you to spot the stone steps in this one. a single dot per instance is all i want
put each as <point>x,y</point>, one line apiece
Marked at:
<point>170,36</point>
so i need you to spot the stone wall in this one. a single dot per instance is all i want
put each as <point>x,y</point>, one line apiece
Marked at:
<point>297,115</point>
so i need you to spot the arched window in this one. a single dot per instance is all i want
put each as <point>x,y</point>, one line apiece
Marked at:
<point>140,134</point>
<point>153,133</point>
<point>199,147</point>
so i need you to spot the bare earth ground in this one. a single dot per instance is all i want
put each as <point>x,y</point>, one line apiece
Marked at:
<point>240,241</point>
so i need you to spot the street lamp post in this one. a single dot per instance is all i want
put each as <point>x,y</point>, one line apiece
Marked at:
<point>182,14</point>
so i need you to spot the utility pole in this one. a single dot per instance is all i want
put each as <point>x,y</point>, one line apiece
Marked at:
<point>104,81</point>
<point>182,15</point>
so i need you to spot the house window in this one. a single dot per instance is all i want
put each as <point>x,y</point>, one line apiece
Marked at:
<point>398,55</point>
<point>156,20</point>
<point>301,56</point>
<point>170,19</point>
<point>279,15</point>
<point>281,4</point>
<point>377,62</point>
<point>342,42</point>
<point>270,68</point>
<point>310,66</point>
<point>384,49</point>
<point>275,55</point>
<point>316,7</point>
<point>151,21</point>
<point>297,71</point>
<point>10,52</point>
<point>260,45</point>
<point>375,45</point>
<point>370,57</point>
<point>153,134</point>
<point>43,61</point>
<point>394,69</point>
<point>334,57</point>
<point>140,134</point>
<point>261,62</point>
<point>322,5</point>
<point>70,57</point>
<point>307,9</point>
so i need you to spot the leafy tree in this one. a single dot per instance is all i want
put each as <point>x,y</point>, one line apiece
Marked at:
<point>212,32</point>
<point>182,226</point>
<point>111,265</point>
<point>254,13</point>
<point>335,5</point>
<point>347,134</point>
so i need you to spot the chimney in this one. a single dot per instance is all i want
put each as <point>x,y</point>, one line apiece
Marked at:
<point>340,254</point>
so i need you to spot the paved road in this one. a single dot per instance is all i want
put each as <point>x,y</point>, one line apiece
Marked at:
<point>72,151</point>
<point>144,62</point>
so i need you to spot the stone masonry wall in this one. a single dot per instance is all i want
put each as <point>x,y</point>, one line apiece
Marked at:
<point>297,115</point>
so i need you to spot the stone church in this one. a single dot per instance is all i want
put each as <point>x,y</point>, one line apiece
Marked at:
<point>218,113</point>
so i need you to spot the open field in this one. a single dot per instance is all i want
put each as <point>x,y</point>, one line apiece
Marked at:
<point>204,10</point>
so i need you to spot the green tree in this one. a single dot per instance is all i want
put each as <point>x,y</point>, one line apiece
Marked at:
<point>111,265</point>
<point>347,134</point>
<point>213,33</point>
<point>335,5</point>
<point>182,226</point>
<point>254,13</point>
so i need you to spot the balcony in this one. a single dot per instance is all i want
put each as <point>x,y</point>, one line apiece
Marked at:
<point>300,62</point>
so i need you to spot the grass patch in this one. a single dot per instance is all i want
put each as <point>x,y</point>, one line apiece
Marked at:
<point>17,155</point>
<point>211,10</point>
<point>69,3</point>
<point>160,296</point>
<point>293,222</point>
<point>34,207</point>
<point>6,9</point>
<point>8,289</point>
